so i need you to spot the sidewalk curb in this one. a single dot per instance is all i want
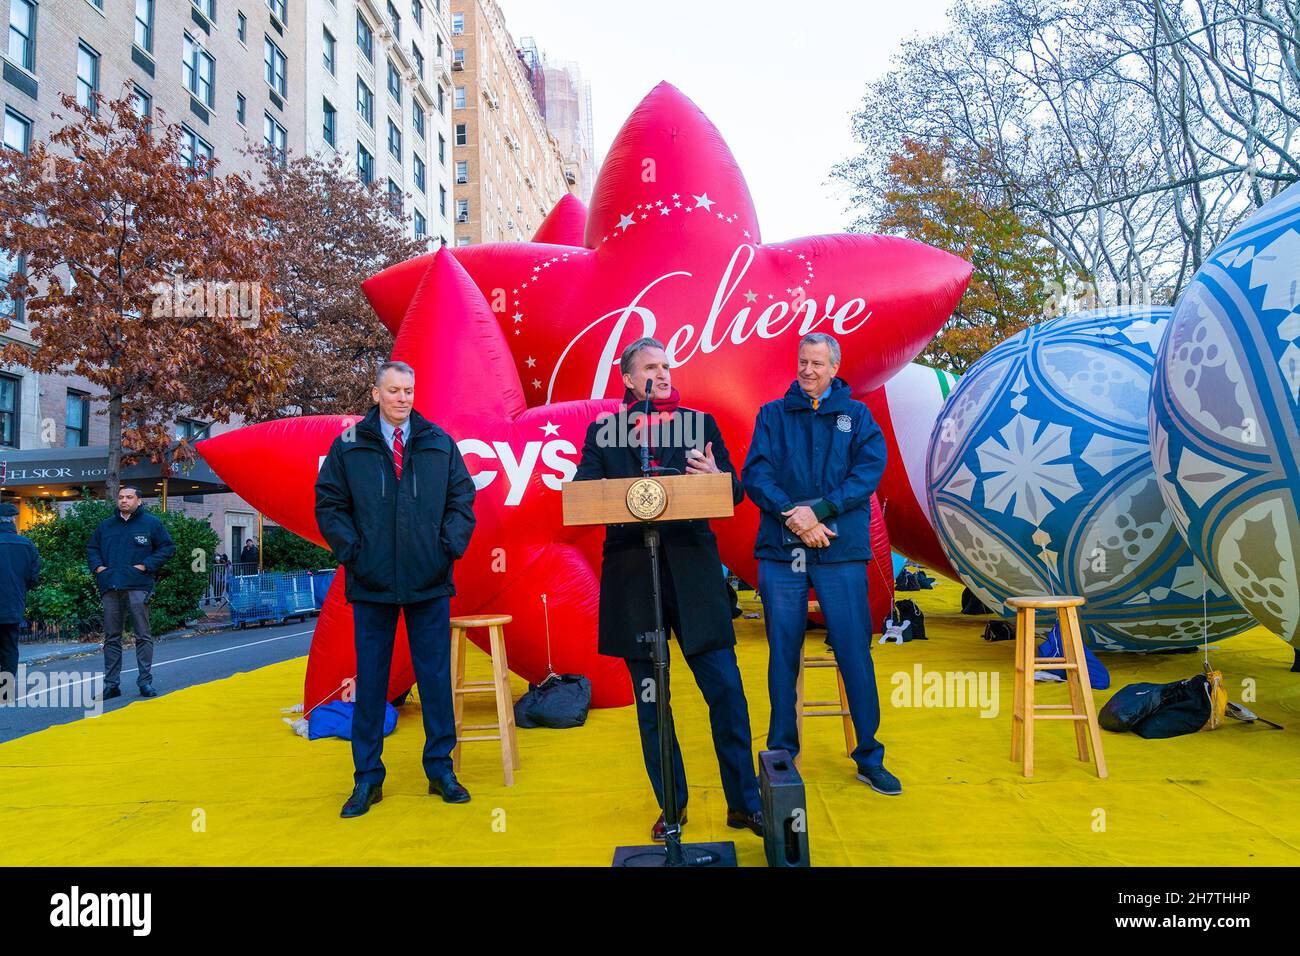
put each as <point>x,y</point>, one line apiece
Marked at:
<point>87,648</point>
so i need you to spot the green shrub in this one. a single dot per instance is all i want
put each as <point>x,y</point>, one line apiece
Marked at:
<point>282,550</point>
<point>67,596</point>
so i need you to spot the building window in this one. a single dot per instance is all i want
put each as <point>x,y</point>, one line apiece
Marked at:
<point>395,141</point>
<point>462,135</point>
<point>421,225</point>
<point>241,106</point>
<point>442,149</point>
<point>417,119</point>
<point>199,68</point>
<point>365,165</point>
<point>417,12</point>
<point>462,172</point>
<point>194,148</point>
<point>458,98</point>
<point>87,77</point>
<point>76,419</point>
<point>142,103</point>
<point>442,101</point>
<point>365,102</point>
<point>275,136</point>
<point>394,82</point>
<point>10,308</point>
<point>329,52</point>
<point>187,429</point>
<point>144,25</point>
<point>462,240</point>
<point>458,58</point>
<point>419,172</point>
<point>457,24</point>
<point>277,7</point>
<point>206,7</point>
<point>462,210</point>
<point>22,33</point>
<point>331,123</point>
<point>18,131</point>
<point>274,60</point>
<point>10,394</point>
<point>241,31</point>
<point>419,60</point>
<point>442,203</point>
<point>394,198</point>
<point>365,37</point>
<point>395,19</point>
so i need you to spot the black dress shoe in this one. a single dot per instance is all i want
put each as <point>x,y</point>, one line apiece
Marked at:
<point>363,795</point>
<point>740,820</point>
<point>658,831</point>
<point>110,692</point>
<point>146,690</point>
<point>450,789</point>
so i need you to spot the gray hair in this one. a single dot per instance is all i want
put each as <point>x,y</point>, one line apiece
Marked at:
<point>629,353</point>
<point>396,367</point>
<point>821,338</point>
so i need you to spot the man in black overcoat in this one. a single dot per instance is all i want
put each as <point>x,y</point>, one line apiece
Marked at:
<point>697,609</point>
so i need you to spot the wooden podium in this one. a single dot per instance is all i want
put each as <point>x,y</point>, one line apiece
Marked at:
<point>649,500</point>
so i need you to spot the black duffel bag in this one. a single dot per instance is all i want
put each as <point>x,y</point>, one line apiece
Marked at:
<point>561,701</point>
<point>1157,711</point>
<point>970,604</point>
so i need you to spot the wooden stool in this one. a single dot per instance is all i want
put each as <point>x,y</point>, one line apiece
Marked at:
<point>1081,708</point>
<point>825,708</point>
<point>499,686</point>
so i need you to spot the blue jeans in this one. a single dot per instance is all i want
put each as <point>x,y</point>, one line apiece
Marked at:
<point>428,629</point>
<point>842,591</point>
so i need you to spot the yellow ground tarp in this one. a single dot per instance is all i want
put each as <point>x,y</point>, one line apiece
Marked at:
<point>211,775</point>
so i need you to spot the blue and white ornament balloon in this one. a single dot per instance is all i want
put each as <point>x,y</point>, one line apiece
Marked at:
<point>1041,482</point>
<point>1225,414</point>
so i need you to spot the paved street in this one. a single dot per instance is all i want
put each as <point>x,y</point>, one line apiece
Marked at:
<point>178,663</point>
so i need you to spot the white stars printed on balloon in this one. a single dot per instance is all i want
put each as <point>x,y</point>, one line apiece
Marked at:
<point>665,207</point>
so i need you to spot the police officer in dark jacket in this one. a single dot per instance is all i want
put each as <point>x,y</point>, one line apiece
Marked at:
<point>815,459</point>
<point>19,567</point>
<point>395,503</point>
<point>697,608</point>
<point>125,554</point>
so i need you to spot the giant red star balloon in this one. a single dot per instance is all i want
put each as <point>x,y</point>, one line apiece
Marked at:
<point>518,456</point>
<point>671,248</point>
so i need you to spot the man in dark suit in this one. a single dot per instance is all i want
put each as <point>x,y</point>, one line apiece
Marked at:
<point>19,567</point>
<point>395,503</point>
<point>696,606</point>
<point>125,554</point>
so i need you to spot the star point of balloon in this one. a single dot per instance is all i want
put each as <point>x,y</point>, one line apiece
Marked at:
<point>671,248</point>
<point>465,381</point>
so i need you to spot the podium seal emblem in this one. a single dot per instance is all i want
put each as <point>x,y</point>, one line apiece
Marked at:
<point>646,499</point>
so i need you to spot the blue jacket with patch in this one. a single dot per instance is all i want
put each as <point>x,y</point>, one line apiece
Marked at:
<point>120,544</point>
<point>832,457</point>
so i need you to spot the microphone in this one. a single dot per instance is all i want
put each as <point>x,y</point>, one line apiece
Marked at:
<point>645,445</point>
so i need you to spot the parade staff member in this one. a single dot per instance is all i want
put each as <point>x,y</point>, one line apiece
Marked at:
<point>816,457</point>
<point>125,554</point>
<point>395,503</point>
<point>20,567</point>
<point>695,603</point>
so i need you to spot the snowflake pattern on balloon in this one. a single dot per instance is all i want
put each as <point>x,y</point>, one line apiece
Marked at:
<point>1041,481</point>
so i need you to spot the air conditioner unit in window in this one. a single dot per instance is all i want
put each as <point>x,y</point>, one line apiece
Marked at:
<point>462,180</point>
<point>458,64</point>
<point>462,217</point>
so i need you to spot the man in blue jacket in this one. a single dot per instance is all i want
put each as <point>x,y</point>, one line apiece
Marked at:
<point>19,567</point>
<point>815,459</point>
<point>125,554</point>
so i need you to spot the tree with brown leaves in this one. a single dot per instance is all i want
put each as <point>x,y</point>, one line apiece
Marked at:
<point>146,272</point>
<point>332,231</point>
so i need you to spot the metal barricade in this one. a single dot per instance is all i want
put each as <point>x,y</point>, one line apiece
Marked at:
<point>274,596</point>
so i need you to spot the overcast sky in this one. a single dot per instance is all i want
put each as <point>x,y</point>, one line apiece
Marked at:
<point>779,79</point>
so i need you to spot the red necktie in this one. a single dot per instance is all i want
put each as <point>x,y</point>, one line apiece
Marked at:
<point>397,452</point>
